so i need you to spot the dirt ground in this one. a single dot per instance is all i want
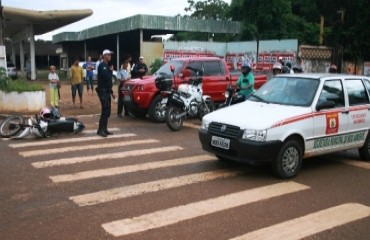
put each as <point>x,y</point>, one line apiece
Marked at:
<point>90,101</point>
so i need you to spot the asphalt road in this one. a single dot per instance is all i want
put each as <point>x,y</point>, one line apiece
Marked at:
<point>146,182</point>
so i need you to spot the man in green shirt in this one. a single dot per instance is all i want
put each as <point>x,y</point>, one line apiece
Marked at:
<point>246,81</point>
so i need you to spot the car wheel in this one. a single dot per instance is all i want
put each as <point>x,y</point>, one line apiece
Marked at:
<point>364,151</point>
<point>288,162</point>
<point>156,111</point>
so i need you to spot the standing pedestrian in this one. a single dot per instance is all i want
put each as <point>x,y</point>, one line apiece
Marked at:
<point>89,76</point>
<point>105,92</point>
<point>100,59</point>
<point>122,76</point>
<point>76,82</point>
<point>54,84</point>
<point>140,69</point>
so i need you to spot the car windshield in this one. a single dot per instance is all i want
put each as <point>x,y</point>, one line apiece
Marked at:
<point>293,91</point>
<point>10,65</point>
<point>165,70</point>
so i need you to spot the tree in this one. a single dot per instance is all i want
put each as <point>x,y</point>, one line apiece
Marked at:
<point>208,9</point>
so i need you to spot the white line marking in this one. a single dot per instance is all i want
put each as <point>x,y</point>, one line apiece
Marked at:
<point>130,169</point>
<point>68,161</point>
<point>79,148</point>
<point>365,165</point>
<point>191,125</point>
<point>94,130</point>
<point>192,210</point>
<point>311,224</point>
<point>155,186</point>
<point>67,140</point>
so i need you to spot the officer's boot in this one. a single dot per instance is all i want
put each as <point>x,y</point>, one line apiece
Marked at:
<point>101,128</point>
<point>106,128</point>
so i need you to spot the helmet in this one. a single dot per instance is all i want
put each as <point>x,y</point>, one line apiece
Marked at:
<point>297,69</point>
<point>333,68</point>
<point>246,66</point>
<point>45,114</point>
<point>277,66</point>
<point>55,114</point>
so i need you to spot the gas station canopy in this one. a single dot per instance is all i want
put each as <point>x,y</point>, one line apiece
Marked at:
<point>21,25</point>
<point>16,19</point>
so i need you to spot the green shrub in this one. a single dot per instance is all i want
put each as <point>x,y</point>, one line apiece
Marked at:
<point>157,63</point>
<point>20,85</point>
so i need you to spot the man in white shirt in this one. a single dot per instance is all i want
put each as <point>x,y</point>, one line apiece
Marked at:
<point>122,76</point>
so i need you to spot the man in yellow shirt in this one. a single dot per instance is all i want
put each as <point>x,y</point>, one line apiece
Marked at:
<point>76,82</point>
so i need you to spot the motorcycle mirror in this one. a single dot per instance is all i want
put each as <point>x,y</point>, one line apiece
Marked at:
<point>172,67</point>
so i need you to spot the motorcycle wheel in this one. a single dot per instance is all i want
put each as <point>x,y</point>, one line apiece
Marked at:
<point>11,126</point>
<point>205,108</point>
<point>171,121</point>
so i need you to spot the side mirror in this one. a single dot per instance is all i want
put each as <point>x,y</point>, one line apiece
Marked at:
<point>325,105</point>
<point>172,67</point>
<point>185,73</point>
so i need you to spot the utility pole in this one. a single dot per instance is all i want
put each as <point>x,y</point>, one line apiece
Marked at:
<point>1,24</point>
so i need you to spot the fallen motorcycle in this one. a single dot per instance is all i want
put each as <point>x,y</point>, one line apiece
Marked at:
<point>187,100</point>
<point>46,124</point>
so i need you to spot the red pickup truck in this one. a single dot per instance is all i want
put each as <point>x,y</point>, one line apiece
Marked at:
<point>142,97</point>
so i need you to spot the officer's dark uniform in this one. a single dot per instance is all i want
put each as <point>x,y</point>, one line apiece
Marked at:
<point>104,91</point>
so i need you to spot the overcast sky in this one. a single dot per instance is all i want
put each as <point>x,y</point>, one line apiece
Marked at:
<point>104,10</point>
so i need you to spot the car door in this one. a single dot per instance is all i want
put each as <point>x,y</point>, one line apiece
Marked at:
<point>214,80</point>
<point>330,124</point>
<point>359,108</point>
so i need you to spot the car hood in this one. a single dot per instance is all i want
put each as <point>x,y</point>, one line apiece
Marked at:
<point>256,115</point>
<point>143,80</point>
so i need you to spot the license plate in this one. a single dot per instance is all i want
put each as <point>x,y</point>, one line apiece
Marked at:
<point>127,97</point>
<point>164,100</point>
<point>220,142</point>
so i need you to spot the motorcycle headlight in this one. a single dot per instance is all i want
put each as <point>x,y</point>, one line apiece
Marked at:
<point>226,94</point>
<point>255,135</point>
<point>205,125</point>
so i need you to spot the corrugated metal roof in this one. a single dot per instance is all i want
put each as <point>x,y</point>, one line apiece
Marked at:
<point>150,22</point>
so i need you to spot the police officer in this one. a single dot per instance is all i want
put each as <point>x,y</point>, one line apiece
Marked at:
<point>105,92</point>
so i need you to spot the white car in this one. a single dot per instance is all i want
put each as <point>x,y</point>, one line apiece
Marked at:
<point>11,70</point>
<point>292,117</point>
<point>95,76</point>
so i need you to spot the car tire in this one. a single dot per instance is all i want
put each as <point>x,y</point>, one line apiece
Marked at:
<point>155,112</point>
<point>288,162</point>
<point>364,151</point>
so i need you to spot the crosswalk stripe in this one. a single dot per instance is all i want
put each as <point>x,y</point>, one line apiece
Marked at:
<point>191,125</point>
<point>133,153</point>
<point>360,164</point>
<point>189,211</point>
<point>94,130</point>
<point>67,140</point>
<point>155,186</point>
<point>78,148</point>
<point>311,224</point>
<point>129,169</point>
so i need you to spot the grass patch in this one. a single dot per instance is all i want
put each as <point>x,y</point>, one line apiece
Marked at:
<point>20,85</point>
